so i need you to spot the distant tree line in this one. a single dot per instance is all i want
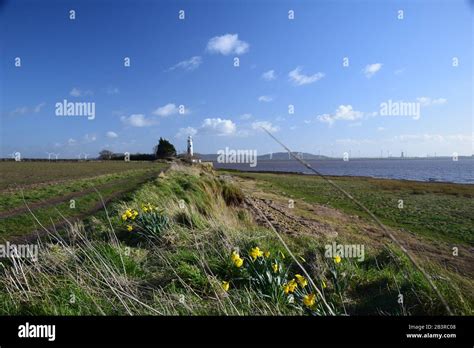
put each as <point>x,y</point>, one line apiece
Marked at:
<point>164,149</point>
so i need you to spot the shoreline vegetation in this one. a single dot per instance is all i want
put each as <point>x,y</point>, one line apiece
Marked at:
<point>190,241</point>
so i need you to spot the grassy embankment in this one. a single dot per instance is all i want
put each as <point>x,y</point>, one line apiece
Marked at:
<point>176,258</point>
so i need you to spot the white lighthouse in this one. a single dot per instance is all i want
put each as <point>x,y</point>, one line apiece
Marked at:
<point>190,146</point>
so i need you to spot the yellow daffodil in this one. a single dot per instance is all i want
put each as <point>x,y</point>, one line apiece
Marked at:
<point>255,252</point>
<point>128,212</point>
<point>129,228</point>
<point>145,209</point>
<point>309,300</point>
<point>267,254</point>
<point>124,217</point>
<point>301,280</point>
<point>276,267</point>
<point>236,259</point>
<point>239,262</point>
<point>290,286</point>
<point>225,285</point>
<point>337,259</point>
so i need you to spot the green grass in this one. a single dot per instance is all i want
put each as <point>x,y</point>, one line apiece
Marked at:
<point>180,270</point>
<point>434,210</point>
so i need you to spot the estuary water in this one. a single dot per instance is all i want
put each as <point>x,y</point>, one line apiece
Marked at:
<point>442,169</point>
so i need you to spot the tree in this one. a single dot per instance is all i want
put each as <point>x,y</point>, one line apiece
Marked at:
<point>164,149</point>
<point>105,155</point>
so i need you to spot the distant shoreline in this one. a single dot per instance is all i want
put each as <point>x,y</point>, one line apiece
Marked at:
<point>341,176</point>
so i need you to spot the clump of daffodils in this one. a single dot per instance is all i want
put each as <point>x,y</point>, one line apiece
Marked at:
<point>267,273</point>
<point>129,214</point>
<point>150,221</point>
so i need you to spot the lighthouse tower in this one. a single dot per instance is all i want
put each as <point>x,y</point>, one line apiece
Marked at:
<point>190,146</point>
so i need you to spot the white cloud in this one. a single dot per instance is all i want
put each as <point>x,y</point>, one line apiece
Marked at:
<point>19,111</point>
<point>371,69</point>
<point>89,138</point>
<point>218,126</point>
<point>265,98</point>
<point>189,65</point>
<point>258,125</point>
<point>38,107</point>
<point>300,79</point>
<point>111,135</point>
<point>138,120</point>
<point>22,110</point>
<point>71,141</point>
<point>343,112</point>
<point>76,92</point>
<point>168,110</point>
<point>245,116</point>
<point>185,132</point>
<point>227,44</point>
<point>269,75</point>
<point>426,101</point>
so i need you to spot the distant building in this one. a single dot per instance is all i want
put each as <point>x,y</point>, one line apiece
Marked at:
<point>190,147</point>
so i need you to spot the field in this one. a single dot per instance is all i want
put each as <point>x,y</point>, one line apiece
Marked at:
<point>63,190</point>
<point>193,241</point>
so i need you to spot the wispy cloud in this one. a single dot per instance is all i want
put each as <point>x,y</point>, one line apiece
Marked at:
<point>76,92</point>
<point>343,112</point>
<point>111,135</point>
<point>258,125</point>
<point>168,110</point>
<point>227,44</point>
<point>299,79</point>
<point>23,110</point>
<point>371,69</point>
<point>112,90</point>
<point>185,132</point>
<point>189,65</point>
<point>265,98</point>
<point>138,120</point>
<point>269,75</point>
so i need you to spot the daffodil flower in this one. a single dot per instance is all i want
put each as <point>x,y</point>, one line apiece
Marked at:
<point>309,300</point>
<point>225,285</point>
<point>337,259</point>
<point>301,280</point>
<point>255,252</point>
<point>290,286</point>
<point>129,228</point>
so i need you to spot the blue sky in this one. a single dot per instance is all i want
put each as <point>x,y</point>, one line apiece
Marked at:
<point>283,62</point>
